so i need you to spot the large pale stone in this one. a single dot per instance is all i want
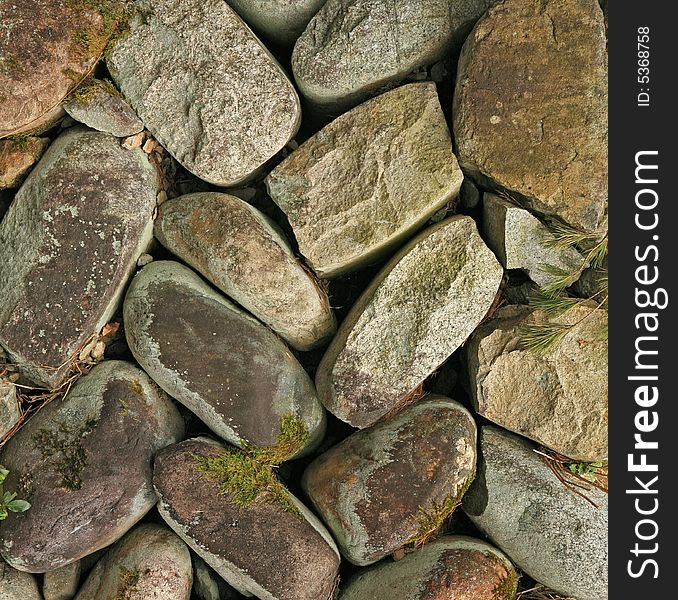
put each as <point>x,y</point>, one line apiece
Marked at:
<point>368,180</point>
<point>530,106</point>
<point>205,87</point>
<point>417,311</point>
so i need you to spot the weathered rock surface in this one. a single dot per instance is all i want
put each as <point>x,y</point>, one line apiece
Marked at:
<point>353,48</point>
<point>245,255</point>
<point>280,20</point>
<point>206,88</point>
<point>10,412</point>
<point>521,241</point>
<point>456,567</point>
<point>416,312</point>
<point>370,488</point>
<point>222,364</point>
<point>551,533</point>
<point>368,180</point>
<point>99,105</point>
<point>85,211</point>
<point>207,585</point>
<point>17,157</point>
<point>148,562</point>
<point>62,583</point>
<point>260,549</point>
<point>557,397</point>
<point>84,464</point>
<point>530,106</point>
<point>16,585</point>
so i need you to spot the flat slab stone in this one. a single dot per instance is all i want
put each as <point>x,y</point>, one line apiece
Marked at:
<point>206,88</point>
<point>84,464</point>
<point>17,157</point>
<point>417,311</point>
<point>368,180</point>
<point>530,106</point>
<point>245,255</point>
<point>69,243</point>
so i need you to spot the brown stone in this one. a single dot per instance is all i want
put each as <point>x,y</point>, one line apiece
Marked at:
<point>17,157</point>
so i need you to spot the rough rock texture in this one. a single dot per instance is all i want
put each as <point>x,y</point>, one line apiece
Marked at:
<point>551,533</point>
<point>206,88</point>
<point>368,180</point>
<point>283,21</point>
<point>416,312</point>
<point>17,157</point>
<point>10,413</point>
<point>260,549</point>
<point>222,364</point>
<point>101,107</point>
<point>62,583</point>
<point>245,255</point>
<point>369,489</point>
<point>353,48</point>
<point>207,585</point>
<point>558,397</point>
<point>455,567</point>
<point>45,45</point>
<point>148,562</point>
<point>521,241</point>
<point>530,106</point>
<point>84,464</point>
<point>86,211</point>
<point>16,585</point>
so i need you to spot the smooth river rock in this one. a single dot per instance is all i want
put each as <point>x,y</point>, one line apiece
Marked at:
<point>62,583</point>
<point>17,585</point>
<point>206,88</point>
<point>260,549</point>
<point>368,180</point>
<point>226,367</point>
<point>417,311</point>
<point>530,106</point>
<point>85,465</point>
<point>208,585</point>
<point>554,535</point>
<point>69,242</point>
<point>557,397</point>
<point>17,158</point>
<point>370,488</point>
<point>245,255</point>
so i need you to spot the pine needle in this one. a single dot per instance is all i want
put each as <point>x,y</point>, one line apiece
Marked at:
<point>543,337</point>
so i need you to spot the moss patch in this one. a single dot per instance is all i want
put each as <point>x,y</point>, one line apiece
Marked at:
<point>90,89</point>
<point>507,587</point>
<point>116,16</point>
<point>129,580</point>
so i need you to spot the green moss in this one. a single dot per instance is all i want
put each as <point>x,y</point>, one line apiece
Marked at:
<point>507,587</point>
<point>90,88</point>
<point>587,470</point>
<point>137,388</point>
<point>116,16</point>
<point>129,580</point>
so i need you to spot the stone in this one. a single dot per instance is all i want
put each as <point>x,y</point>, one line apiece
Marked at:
<point>283,21</point>
<point>99,105</point>
<point>530,107</point>
<point>62,583</point>
<point>266,549</point>
<point>17,585</point>
<point>86,211</point>
<point>207,585</point>
<point>354,48</point>
<point>368,180</point>
<point>557,397</point>
<point>85,465</point>
<point>371,488</point>
<point>415,313</point>
<point>554,535</point>
<point>222,364</point>
<point>10,409</point>
<point>456,567</point>
<point>150,561</point>
<point>469,195</point>
<point>521,241</point>
<point>17,158</point>
<point>244,254</point>
<point>206,88</point>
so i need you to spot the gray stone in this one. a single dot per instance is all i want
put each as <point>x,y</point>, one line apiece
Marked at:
<point>521,241</point>
<point>84,464</point>
<point>530,106</point>
<point>207,585</point>
<point>100,106</point>
<point>262,549</point>
<point>10,410</point>
<point>469,195</point>
<point>354,48</point>
<point>69,242</point>
<point>557,397</point>
<point>226,367</point>
<point>17,585</point>
<point>368,180</point>
<point>283,21</point>
<point>455,567</point>
<point>417,311</point>
<point>554,535</point>
<point>17,158</point>
<point>62,583</point>
<point>244,254</point>
<point>150,561</point>
<point>206,88</point>
<point>370,489</point>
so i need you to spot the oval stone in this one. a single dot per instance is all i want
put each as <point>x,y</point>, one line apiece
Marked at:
<point>17,585</point>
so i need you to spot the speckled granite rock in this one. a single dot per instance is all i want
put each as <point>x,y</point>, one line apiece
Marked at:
<point>17,157</point>
<point>16,585</point>
<point>206,88</point>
